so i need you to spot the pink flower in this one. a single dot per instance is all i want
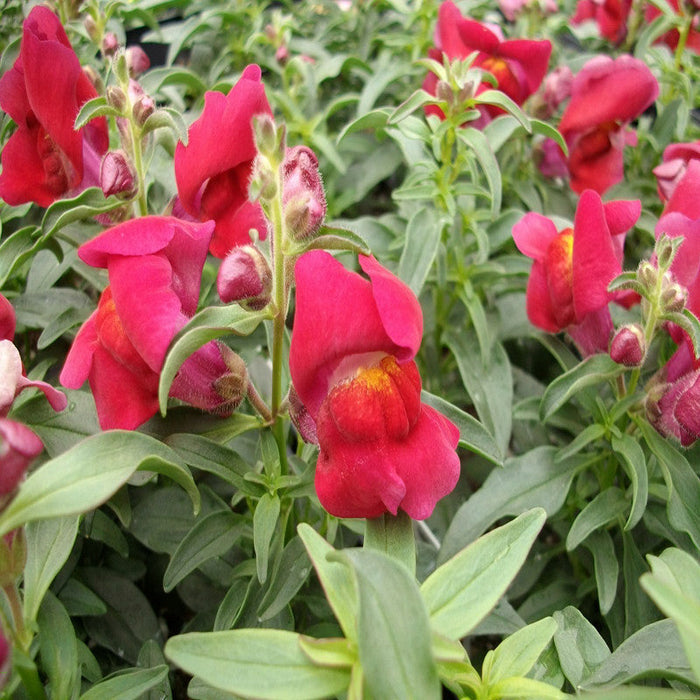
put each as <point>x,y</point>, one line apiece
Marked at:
<point>519,65</point>
<point>610,16</point>
<point>381,449</point>
<point>572,268</point>
<point>46,158</point>
<point>214,168</point>
<point>512,8</point>
<point>676,413</point>
<point>303,197</point>
<point>605,96</point>
<point>7,319</point>
<point>675,163</point>
<point>155,266</point>
<point>671,37</point>
<point>19,446</point>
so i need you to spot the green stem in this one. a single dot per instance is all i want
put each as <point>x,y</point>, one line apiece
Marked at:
<point>23,638</point>
<point>393,535</point>
<point>138,166</point>
<point>682,40</point>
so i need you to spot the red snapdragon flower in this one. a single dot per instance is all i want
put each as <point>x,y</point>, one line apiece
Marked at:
<point>670,172</point>
<point>671,37</point>
<point>605,96</point>
<point>381,449</point>
<point>46,157</point>
<point>610,16</point>
<point>572,268</point>
<point>214,168</point>
<point>519,65</point>
<point>155,266</point>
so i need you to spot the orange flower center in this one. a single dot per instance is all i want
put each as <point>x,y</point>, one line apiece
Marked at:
<point>560,272</point>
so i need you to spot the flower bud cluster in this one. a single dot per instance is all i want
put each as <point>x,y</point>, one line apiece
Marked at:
<point>303,197</point>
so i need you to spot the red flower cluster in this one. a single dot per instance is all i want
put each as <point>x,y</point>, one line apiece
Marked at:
<point>381,449</point>
<point>46,158</point>
<point>214,168</point>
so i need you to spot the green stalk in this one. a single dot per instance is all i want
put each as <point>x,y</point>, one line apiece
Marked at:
<point>137,153</point>
<point>393,535</point>
<point>682,40</point>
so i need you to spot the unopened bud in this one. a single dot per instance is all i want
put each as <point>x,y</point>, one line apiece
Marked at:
<point>232,386</point>
<point>265,134</point>
<point>263,183</point>
<point>110,44</point>
<point>664,252</point>
<point>116,175</point>
<point>137,61</point>
<point>13,557</point>
<point>245,277</point>
<point>467,91</point>
<point>647,274</point>
<point>94,77</point>
<point>443,92</point>
<point>673,298</point>
<point>116,98</point>
<point>628,346</point>
<point>120,68</point>
<point>19,446</point>
<point>303,196</point>
<point>282,55</point>
<point>143,108</point>
<point>91,28</point>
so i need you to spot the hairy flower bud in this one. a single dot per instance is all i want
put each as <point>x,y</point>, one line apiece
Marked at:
<point>245,277</point>
<point>18,448</point>
<point>91,28</point>
<point>13,557</point>
<point>628,346</point>
<point>137,61</point>
<point>265,134</point>
<point>110,44</point>
<point>303,197</point>
<point>673,295</point>
<point>674,409</point>
<point>116,98</point>
<point>647,274</point>
<point>263,183</point>
<point>232,386</point>
<point>143,108</point>
<point>443,92</point>
<point>117,175</point>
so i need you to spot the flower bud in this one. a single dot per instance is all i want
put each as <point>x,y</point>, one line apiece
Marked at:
<point>18,448</point>
<point>443,92</point>
<point>137,61</point>
<point>675,413</point>
<point>119,67</point>
<point>647,274</point>
<point>628,346</point>
<point>673,295</point>
<point>263,183</point>
<point>116,98</point>
<point>143,108</point>
<point>303,197</point>
<point>233,386</point>
<point>265,134</point>
<point>116,175</point>
<point>91,28</point>
<point>282,55</point>
<point>245,277</point>
<point>94,77</point>
<point>110,44</point>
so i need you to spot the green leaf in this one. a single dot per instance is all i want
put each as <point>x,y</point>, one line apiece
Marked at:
<point>546,129</point>
<point>518,653</point>
<point>674,585</point>
<point>472,434</point>
<point>605,566</point>
<point>79,600</point>
<point>488,381</point>
<point>130,685</point>
<point>655,651</point>
<point>82,478</point>
<point>423,235</point>
<point>603,509</point>
<point>168,118</point>
<point>589,434</point>
<point>334,652</point>
<point>529,688</point>
<point>376,119</point>
<point>212,536</point>
<point>594,370</point>
<point>256,663</point>
<point>265,518</point>
<point>334,238</point>
<point>417,100</point>
<point>500,99</point>
<point>15,249</point>
<point>87,204</point>
<point>49,543</point>
<point>393,636</point>
<point>393,536</point>
<point>479,144</point>
<point>97,107</point>
<point>529,480</point>
<point>580,647</point>
<point>336,579</point>
<point>58,647</point>
<point>210,323</point>
<point>461,592</point>
<point>682,482</point>
<point>635,465</point>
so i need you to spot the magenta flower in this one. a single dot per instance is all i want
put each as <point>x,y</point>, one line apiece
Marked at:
<point>214,168</point>
<point>155,266</point>
<point>7,319</point>
<point>46,158</point>
<point>381,449</point>
<point>670,172</point>
<point>572,268</point>
<point>519,65</point>
<point>605,96</point>
<point>19,446</point>
<point>610,16</point>
<point>676,414</point>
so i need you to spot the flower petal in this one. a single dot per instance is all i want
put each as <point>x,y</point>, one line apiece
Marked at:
<point>533,234</point>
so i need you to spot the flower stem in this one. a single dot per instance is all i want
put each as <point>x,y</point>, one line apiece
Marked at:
<point>393,535</point>
<point>138,166</point>
<point>682,39</point>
